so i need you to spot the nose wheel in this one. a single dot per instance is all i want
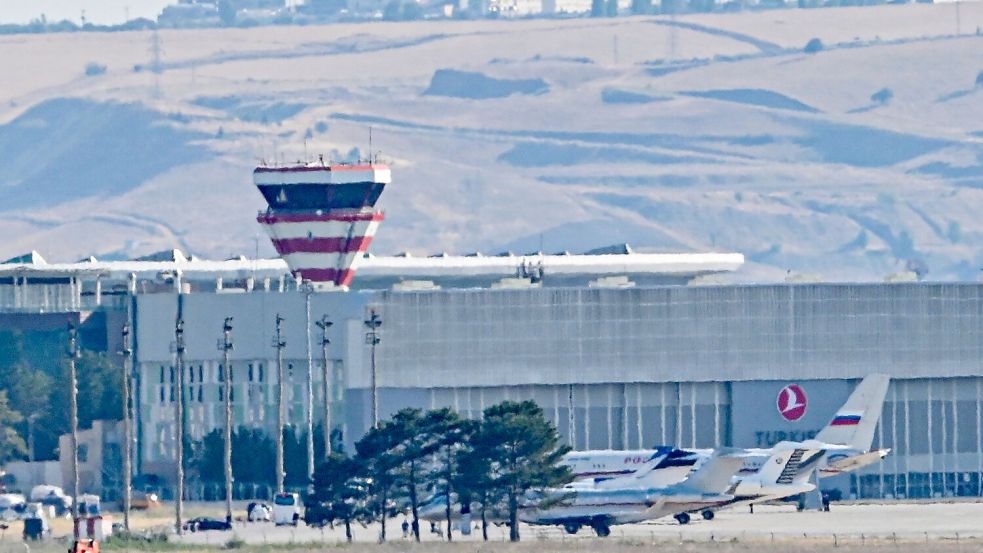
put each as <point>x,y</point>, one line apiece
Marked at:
<point>682,518</point>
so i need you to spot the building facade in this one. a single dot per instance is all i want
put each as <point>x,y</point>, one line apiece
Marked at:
<point>692,366</point>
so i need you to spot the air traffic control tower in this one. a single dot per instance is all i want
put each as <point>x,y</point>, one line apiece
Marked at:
<point>321,217</point>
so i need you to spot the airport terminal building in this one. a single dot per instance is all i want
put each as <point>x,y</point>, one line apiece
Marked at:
<point>615,363</point>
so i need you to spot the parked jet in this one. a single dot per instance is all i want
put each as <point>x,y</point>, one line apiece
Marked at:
<point>631,499</point>
<point>851,430</point>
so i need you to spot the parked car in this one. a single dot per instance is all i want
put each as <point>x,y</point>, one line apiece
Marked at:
<point>204,523</point>
<point>259,512</point>
<point>52,496</point>
<point>286,509</point>
<point>141,500</point>
<point>89,504</point>
<point>12,506</point>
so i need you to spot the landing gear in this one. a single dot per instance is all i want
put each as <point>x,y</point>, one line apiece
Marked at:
<point>682,518</point>
<point>602,530</point>
<point>571,528</point>
<point>707,515</point>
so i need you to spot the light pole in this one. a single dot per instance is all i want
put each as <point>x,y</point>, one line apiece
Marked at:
<point>372,338</point>
<point>127,351</point>
<point>324,324</point>
<point>73,353</point>
<point>179,422</point>
<point>279,344</point>
<point>308,290</point>
<point>226,347</point>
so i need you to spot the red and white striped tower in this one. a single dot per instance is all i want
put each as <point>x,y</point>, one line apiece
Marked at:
<point>321,218</point>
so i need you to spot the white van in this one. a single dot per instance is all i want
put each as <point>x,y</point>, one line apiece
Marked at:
<point>286,509</point>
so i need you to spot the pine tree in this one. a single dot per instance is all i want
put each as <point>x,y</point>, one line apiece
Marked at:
<point>375,453</point>
<point>524,451</point>
<point>449,434</point>
<point>340,493</point>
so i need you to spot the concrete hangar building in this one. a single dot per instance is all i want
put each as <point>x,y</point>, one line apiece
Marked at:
<point>657,357</point>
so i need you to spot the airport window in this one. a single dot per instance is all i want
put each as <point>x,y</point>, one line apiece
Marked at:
<point>232,394</point>
<point>290,370</point>
<point>260,372</point>
<point>162,374</point>
<point>162,394</point>
<point>221,394</point>
<point>250,372</point>
<point>172,374</point>
<point>221,374</point>
<point>172,394</point>
<point>201,373</point>
<point>83,453</point>
<point>191,373</point>
<point>199,394</point>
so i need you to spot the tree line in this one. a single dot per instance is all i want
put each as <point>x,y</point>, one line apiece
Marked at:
<point>413,457</point>
<point>34,389</point>
<point>416,455</point>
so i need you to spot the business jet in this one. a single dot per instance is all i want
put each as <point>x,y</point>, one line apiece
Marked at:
<point>634,498</point>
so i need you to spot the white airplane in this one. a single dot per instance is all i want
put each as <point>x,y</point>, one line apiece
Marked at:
<point>655,467</point>
<point>842,446</point>
<point>848,438</point>
<point>633,498</point>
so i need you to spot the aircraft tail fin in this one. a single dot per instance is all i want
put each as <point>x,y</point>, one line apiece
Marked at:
<point>855,422</point>
<point>714,476</point>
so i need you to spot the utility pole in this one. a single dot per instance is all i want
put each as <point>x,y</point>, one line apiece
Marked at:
<point>179,422</point>
<point>279,344</point>
<point>308,290</point>
<point>372,338</point>
<point>227,347</point>
<point>73,353</point>
<point>127,352</point>
<point>324,324</point>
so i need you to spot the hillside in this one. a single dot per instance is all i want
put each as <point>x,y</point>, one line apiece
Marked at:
<point>703,132</point>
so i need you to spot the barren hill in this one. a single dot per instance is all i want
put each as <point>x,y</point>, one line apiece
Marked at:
<point>703,132</point>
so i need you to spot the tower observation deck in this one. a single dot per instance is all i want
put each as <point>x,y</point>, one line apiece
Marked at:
<point>322,217</point>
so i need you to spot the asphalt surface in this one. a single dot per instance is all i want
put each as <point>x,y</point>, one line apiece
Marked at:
<point>846,524</point>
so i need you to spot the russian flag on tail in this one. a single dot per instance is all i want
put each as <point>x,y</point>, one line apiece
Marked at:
<point>845,419</point>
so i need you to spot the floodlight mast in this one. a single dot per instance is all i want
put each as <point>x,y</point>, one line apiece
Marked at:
<point>372,339</point>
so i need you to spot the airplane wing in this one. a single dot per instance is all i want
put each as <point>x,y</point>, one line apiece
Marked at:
<point>715,475</point>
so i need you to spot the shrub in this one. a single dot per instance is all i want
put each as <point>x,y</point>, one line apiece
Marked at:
<point>93,69</point>
<point>813,46</point>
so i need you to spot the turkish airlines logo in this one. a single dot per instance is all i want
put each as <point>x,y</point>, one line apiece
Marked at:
<point>792,402</point>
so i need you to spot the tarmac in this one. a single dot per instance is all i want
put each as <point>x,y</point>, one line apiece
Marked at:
<point>843,524</point>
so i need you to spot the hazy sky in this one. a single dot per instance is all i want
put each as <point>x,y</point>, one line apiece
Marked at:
<point>96,11</point>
